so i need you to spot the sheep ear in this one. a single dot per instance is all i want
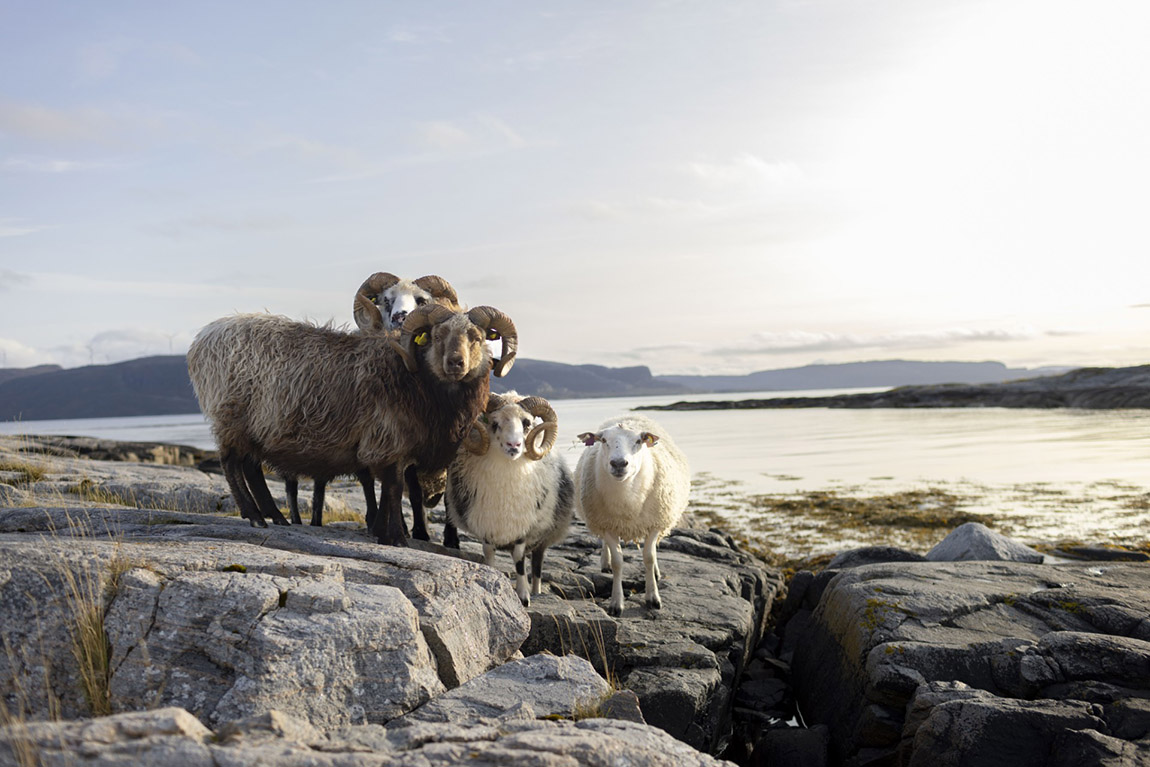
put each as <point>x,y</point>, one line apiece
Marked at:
<point>588,439</point>
<point>649,439</point>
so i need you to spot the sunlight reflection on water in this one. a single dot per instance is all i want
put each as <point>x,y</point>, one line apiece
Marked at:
<point>1054,473</point>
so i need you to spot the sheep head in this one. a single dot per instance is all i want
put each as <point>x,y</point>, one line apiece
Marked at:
<point>453,344</point>
<point>384,301</point>
<point>510,417</point>
<point>622,454</point>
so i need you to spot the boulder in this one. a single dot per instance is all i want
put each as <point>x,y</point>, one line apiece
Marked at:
<point>203,617</point>
<point>172,736</point>
<point>552,686</point>
<point>1067,634</point>
<point>684,660</point>
<point>976,541</point>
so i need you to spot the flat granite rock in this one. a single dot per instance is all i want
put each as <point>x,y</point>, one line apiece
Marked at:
<point>171,736</point>
<point>1067,634</point>
<point>229,622</point>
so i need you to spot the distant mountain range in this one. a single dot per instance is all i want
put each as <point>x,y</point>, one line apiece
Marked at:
<point>160,385</point>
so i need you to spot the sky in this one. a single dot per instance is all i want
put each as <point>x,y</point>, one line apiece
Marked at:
<point>699,187</point>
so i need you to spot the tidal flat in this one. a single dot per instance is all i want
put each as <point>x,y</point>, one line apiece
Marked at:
<point>803,527</point>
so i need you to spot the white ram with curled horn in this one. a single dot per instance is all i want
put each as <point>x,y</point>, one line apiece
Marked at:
<point>508,489</point>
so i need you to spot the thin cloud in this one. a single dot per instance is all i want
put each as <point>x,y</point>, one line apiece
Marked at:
<point>209,224</point>
<point>799,341</point>
<point>32,164</point>
<point>10,227</point>
<point>10,279</point>
<point>105,59</point>
<point>41,123</point>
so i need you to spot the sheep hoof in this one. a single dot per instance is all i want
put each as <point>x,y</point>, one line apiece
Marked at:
<point>654,603</point>
<point>257,523</point>
<point>526,600</point>
<point>614,610</point>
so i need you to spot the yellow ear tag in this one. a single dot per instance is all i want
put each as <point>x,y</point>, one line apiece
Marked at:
<point>421,339</point>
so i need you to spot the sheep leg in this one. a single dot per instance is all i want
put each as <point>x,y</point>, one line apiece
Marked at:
<point>489,554</point>
<point>418,513</point>
<point>450,535</point>
<point>605,558</point>
<point>651,565</point>
<point>317,494</point>
<point>291,489</point>
<point>259,486</point>
<point>367,482</point>
<point>388,524</point>
<point>518,554</point>
<point>615,606</point>
<point>537,570</point>
<point>233,472</point>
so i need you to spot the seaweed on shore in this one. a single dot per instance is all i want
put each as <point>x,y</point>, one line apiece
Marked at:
<point>931,508</point>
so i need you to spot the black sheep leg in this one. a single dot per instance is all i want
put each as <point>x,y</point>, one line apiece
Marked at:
<point>233,473</point>
<point>415,495</point>
<point>367,482</point>
<point>537,569</point>
<point>254,474</point>
<point>317,494</point>
<point>388,528</point>
<point>291,489</point>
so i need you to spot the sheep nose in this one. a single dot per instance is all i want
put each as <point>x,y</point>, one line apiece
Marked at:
<point>454,363</point>
<point>618,464</point>
<point>514,445</point>
<point>398,318</point>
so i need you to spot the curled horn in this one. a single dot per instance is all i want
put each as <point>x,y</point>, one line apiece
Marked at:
<point>478,440</point>
<point>494,321</point>
<point>439,288</point>
<point>537,406</point>
<point>366,313</point>
<point>418,321</point>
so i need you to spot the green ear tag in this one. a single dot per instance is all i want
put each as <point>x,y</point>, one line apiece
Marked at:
<point>421,339</point>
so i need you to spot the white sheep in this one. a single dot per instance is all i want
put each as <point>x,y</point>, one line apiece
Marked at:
<point>506,488</point>
<point>632,483</point>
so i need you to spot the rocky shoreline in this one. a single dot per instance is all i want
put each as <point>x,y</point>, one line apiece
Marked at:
<point>1086,388</point>
<point>225,644</point>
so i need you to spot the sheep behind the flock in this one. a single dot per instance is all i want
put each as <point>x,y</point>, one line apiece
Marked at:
<point>381,304</point>
<point>632,484</point>
<point>508,489</point>
<point>320,402</point>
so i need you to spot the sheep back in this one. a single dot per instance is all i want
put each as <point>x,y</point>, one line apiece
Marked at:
<point>315,400</point>
<point>651,502</point>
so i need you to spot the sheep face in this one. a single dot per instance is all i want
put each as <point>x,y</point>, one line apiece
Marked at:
<point>623,451</point>
<point>507,427</point>
<point>384,301</point>
<point>457,350</point>
<point>399,300</point>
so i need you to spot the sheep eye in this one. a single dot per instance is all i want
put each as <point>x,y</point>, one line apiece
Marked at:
<point>420,301</point>
<point>526,424</point>
<point>386,305</point>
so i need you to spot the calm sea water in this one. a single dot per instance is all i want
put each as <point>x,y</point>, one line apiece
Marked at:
<point>1060,473</point>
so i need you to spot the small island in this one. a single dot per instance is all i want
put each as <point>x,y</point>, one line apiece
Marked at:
<point>1085,388</point>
